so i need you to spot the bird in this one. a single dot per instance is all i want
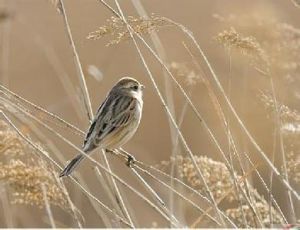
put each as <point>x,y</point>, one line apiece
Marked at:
<point>115,122</point>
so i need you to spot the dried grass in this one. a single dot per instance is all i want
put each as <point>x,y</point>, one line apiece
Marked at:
<point>286,113</point>
<point>220,182</point>
<point>262,208</point>
<point>24,174</point>
<point>246,45</point>
<point>182,70</point>
<point>118,32</point>
<point>293,166</point>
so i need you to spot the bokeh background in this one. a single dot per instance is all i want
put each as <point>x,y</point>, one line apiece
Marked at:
<point>39,66</point>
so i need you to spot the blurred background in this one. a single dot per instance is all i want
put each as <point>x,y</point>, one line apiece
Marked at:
<point>37,63</point>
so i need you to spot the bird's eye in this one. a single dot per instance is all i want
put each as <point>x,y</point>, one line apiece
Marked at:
<point>135,87</point>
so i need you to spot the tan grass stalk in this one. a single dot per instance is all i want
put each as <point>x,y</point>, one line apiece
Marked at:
<point>45,154</point>
<point>51,130</point>
<point>68,142</point>
<point>225,124</point>
<point>177,193</point>
<point>46,126</point>
<point>87,101</point>
<point>246,131</point>
<point>250,46</point>
<point>168,87</point>
<point>42,113</point>
<point>13,151</point>
<point>222,117</point>
<point>55,117</point>
<point>160,96</point>
<point>47,206</point>
<point>182,90</point>
<point>282,151</point>
<point>81,77</point>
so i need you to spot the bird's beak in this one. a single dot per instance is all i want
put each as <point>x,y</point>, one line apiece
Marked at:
<point>143,87</point>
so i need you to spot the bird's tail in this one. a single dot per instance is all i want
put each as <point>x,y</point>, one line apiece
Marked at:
<point>72,165</point>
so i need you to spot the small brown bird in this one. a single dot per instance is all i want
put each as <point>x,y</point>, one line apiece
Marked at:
<point>116,120</point>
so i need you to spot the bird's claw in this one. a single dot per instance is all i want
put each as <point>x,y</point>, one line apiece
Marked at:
<point>130,161</point>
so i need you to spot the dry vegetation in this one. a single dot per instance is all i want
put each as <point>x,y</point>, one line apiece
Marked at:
<point>248,176</point>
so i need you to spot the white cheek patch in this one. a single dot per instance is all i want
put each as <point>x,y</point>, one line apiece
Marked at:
<point>138,95</point>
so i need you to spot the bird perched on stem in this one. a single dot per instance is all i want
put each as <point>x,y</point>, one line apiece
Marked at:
<point>116,120</point>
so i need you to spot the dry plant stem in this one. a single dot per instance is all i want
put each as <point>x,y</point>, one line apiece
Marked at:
<point>124,155</point>
<point>180,87</point>
<point>173,220</point>
<point>162,55</point>
<point>148,187</point>
<point>177,193</point>
<point>68,142</point>
<point>267,189</point>
<point>120,202</point>
<point>19,107</point>
<point>221,115</point>
<point>220,87</point>
<point>271,177</point>
<point>55,150</point>
<point>84,89</point>
<point>168,71</point>
<point>101,179</point>
<point>73,128</point>
<point>169,113</point>
<point>73,208</point>
<point>136,163</point>
<point>57,67</point>
<point>204,213</point>
<point>89,195</point>
<point>191,189</point>
<point>51,146</point>
<point>168,87</point>
<point>47,207</point>
<point>53,60</point>
<point>279,123</point>
<point>50,129</point>
<point>112,196</point>
<point>242,179</point>
<point>58,166</point>
<point>176,151</point>
<point>140,195</point>
<point>231,142</point>
<point>65,124</point>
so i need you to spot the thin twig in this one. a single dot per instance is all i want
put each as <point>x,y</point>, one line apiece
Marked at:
<point>282,151</point>
<point>47,206</point>
<point>84,89</point>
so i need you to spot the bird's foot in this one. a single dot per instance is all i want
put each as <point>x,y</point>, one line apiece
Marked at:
<point>130,161</point>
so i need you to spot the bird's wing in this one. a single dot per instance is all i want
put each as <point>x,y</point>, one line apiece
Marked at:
<point>114,112</point>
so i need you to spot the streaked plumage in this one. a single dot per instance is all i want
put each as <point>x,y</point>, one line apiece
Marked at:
<point>116,120</point>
